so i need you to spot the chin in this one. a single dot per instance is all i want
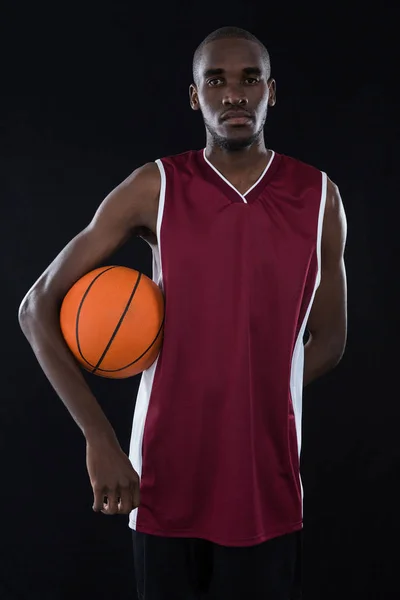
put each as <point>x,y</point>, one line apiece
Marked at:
<point>236,138</point>
<point>235,143</point>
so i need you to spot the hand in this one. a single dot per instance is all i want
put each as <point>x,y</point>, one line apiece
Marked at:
<point>114,481</point>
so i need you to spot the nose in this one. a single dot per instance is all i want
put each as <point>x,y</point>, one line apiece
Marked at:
<point>235,97</point>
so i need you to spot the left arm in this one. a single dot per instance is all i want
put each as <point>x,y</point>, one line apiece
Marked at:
<point>327,323</point>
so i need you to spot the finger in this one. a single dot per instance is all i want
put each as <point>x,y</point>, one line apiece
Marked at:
<point>110,506</point>
<point>126,503</point>
<point>98,503</point>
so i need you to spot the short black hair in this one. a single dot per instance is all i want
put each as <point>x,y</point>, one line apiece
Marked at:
<point>224,33</point>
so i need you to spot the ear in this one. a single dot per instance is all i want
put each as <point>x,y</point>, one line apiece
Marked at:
<point>194,97</point>
<point>272,92</point>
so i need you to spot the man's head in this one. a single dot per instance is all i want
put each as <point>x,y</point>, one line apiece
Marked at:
<point>232,87</point>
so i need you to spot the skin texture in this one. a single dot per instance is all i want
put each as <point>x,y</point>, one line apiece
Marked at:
<point>233,80</point>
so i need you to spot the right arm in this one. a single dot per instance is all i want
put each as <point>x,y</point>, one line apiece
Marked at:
<point>128,208</point>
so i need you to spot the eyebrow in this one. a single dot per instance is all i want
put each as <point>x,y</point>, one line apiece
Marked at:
<point>246,71</point>
<point>252,71</point>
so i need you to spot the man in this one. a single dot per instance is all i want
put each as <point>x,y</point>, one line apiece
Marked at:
<point>248,248</point>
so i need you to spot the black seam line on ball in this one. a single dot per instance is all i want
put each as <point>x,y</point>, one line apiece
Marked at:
<point>136,359</point>
<point>79,314</point>
<point>119,322</point>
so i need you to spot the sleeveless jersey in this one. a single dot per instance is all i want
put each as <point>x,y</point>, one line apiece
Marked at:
<point>216,431</point>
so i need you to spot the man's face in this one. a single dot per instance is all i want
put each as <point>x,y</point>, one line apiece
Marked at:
<point>233,92</point>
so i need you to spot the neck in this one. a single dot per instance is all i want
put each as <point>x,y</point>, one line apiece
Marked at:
<point>238,159</point>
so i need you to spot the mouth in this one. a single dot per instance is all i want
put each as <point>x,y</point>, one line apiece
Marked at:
<point>237,117</point>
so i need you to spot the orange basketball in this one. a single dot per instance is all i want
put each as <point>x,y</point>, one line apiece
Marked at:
<point>112,321</point>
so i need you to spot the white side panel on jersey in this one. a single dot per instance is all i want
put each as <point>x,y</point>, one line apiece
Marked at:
<point>146,382</point>
<point>296,374</point>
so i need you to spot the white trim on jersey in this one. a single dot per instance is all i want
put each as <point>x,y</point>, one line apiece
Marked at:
<point>160,216</point>
<point>146,382</point>
<point>297,368</point>
<point>232,186</point>
<point>296,375</point>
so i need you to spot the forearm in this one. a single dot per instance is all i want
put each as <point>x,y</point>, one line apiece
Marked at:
<point>320,357</point>
<point>39,322</point>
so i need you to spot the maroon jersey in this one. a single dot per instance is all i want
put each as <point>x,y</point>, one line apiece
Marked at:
<point>217,423</point>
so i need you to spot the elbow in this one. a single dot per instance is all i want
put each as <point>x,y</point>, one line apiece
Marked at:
<point>26,311</point>
<point>322,354</point>
<point>31,306</point>
<point>336,358</point>
<point>336,353</point>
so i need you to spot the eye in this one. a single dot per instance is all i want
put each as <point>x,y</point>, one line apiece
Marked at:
<point>252,80</point>
<point>215,81</point>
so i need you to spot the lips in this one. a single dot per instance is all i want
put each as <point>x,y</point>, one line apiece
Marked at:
<point>236,114</point>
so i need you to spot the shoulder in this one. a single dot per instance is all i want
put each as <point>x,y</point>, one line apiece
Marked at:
<point>141,186</point>
<point>295,164</point>
<point>334,210</point>
<point>183,160</point>
<point>299,175</point>
<point>134,200</point>
<point>147,175</point>
<point>334,214</point>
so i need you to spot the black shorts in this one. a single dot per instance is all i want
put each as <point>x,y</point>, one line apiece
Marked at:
<point>194,569</point>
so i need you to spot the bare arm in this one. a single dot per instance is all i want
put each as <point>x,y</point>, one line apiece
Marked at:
<point>327,323</point>
<point>130,206</point>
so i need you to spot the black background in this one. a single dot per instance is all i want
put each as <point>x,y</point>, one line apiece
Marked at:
<point>91,92</point>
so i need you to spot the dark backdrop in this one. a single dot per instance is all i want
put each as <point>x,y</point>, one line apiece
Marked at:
<point>91,93</point>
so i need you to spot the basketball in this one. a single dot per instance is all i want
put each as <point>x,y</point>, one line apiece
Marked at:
<point>112,321</point>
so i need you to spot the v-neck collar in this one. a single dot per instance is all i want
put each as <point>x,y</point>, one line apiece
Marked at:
<point>253,192</point>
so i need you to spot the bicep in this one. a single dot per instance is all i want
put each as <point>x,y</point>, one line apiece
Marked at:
<point>82,254</point>
<point>328,316</point>
<point>127,207</point>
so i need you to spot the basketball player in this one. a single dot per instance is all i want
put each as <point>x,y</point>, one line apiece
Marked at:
<point>248,248</point>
